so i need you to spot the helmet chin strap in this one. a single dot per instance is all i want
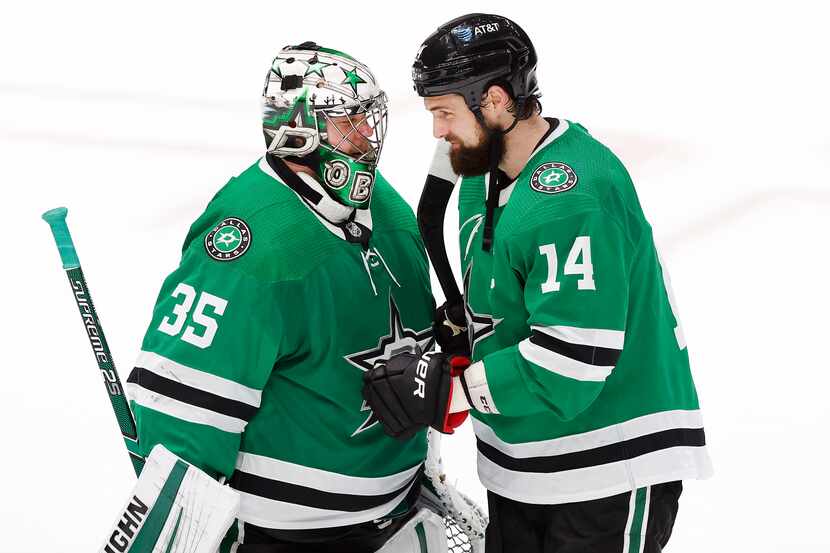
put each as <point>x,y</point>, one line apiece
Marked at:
<point>492,190</point>
<point>312,160</point>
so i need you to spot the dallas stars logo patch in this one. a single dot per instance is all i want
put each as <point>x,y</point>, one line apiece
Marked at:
<point>228,240</point>
<point>553,177</point>
<point>398,340</point>
<point>479,325</point>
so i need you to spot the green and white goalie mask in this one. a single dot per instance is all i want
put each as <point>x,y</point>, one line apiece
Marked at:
<point>323,109</point>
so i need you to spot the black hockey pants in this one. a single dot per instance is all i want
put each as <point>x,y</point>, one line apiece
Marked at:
<point>360,538</point>
<point>632,522</point>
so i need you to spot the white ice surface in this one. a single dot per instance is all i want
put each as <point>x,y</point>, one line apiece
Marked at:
<point>133,115</point>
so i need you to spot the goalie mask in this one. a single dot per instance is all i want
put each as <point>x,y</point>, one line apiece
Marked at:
<point>324,109</point>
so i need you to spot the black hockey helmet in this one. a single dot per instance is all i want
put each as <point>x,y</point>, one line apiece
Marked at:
<point>472,52</point>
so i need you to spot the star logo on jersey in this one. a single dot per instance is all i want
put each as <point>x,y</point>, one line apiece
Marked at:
<point>553,177</point>
<point>399,340</point>
<point>228,240</point>
<point>352,79</point>
<point>479,325</point>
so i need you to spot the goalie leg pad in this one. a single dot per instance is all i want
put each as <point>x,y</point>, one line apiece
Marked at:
<point>174,508</point>
<point>423,533</point>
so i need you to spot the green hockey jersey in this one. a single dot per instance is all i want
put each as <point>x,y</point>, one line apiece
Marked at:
<point>581,382</point>
<point>252,365</point>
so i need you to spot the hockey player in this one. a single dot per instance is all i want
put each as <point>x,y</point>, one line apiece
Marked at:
<point>584,407</point>
<point>302,272</point>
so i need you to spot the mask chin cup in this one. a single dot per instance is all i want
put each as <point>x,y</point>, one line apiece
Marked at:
<point>349,181</point>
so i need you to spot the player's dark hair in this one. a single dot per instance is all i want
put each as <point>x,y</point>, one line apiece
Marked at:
<point>526,107</point>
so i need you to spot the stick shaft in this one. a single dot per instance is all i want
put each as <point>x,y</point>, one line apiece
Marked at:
<point>92,325</point>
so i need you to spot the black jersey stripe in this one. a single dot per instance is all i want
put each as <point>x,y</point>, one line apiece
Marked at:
<point>190,395</point>
<point>310,497</point>
<point>591,355</point>
<point>620,451</point>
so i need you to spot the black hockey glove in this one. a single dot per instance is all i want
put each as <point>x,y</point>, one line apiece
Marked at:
<point>449,324</point>
<point>410,392</point>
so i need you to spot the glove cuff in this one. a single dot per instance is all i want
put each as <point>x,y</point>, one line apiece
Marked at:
<point>458,364</point>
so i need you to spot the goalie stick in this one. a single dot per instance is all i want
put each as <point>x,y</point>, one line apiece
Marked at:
<point>69,257</point>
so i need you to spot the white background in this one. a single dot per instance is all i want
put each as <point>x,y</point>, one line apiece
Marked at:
<point>133,115</point>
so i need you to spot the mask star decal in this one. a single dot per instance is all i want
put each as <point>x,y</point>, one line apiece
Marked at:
<point>399,340</point>
<point>480,325</point>
<point>315,67</point>
<point>352,79</point>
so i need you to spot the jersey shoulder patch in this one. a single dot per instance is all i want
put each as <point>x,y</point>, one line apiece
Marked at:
<point>259,226</point>
<point>553,177</point>
<point>230,239</point>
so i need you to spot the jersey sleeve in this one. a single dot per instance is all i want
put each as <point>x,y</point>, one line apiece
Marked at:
<point>215,335</point>
<point>572,274</point>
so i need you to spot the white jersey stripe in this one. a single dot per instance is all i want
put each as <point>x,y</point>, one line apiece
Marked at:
<point>183,411</point>
<point>634,428</point>
<point>283,471</point>
<point>599,337</point>
<point>195,378</point>
<point>585,484</point>
<point>644,524</point>
<point>562,365</point>
<point>269,513</point>
<point>632,505</point>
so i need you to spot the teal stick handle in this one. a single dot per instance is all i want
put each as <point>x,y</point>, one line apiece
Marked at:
<point>57,222</point>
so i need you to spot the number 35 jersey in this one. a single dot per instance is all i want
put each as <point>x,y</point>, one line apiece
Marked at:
<point>252,365</point>
<point>581,386</point>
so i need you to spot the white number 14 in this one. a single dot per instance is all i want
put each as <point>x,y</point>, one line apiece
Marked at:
<point>581,248</point>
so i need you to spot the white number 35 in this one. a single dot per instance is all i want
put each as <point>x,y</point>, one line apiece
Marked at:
<point>182,309</point>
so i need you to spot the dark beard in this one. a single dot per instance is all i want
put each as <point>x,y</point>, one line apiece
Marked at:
<point>469,161</point>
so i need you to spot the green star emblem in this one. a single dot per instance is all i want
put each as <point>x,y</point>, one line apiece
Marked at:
<point>315,67</point>
<point>352,79</point>
<point>227,238</point>
<point>553,177</point>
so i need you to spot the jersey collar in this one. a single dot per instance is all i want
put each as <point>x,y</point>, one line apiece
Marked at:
<point>547,140</point>
<point>347,223</point>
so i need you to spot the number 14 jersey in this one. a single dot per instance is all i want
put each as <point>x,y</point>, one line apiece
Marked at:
<point>582,387</point>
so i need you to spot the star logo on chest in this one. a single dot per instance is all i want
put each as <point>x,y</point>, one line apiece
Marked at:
<point>399,340</point>
<point>479,325</point>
